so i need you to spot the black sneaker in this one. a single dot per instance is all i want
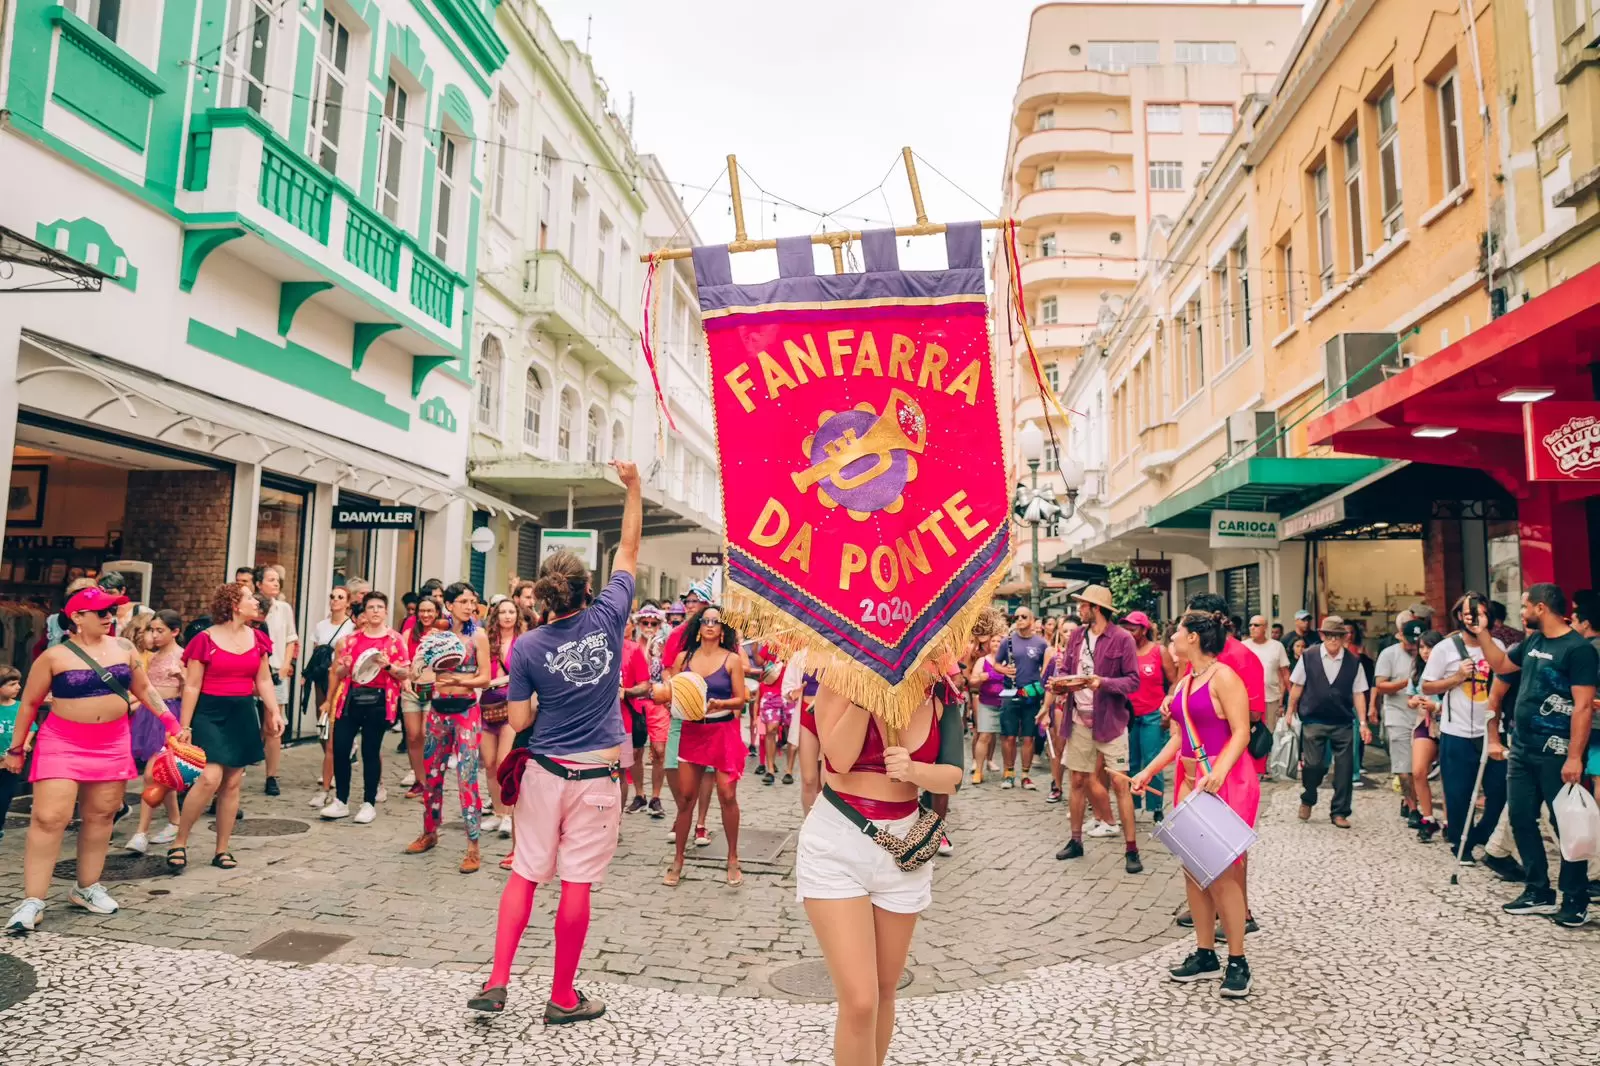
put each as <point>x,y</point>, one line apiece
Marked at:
<point>1131,863</point>
<point>636,806</point>
<point>1573,915</point>
<point>1250,925</point>
<point>761,769</point>
<point>1073,850</point>
<point>586,1010</point>
<point>788,779</point>
<point>1236,982</point>
<point>1414,820</point>
<point>272,786</point>
<point>1185,920</point>
<point>1201,965</point>
<point>1504,867</point>
<point>1156,816</point>
<point>769,779</point>
<point>1533,901</point>
<point>1427,831</point>
<point>655,808</point>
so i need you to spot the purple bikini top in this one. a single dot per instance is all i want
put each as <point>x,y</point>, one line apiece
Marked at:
<point>86,684</point>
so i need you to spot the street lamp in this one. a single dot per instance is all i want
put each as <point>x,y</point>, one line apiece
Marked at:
<point>1032,504</point>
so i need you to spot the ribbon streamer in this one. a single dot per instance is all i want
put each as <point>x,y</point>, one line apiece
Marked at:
<point>1020,306</point>
<point>652,299</point>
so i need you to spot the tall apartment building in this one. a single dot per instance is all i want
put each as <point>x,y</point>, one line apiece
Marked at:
<point>1111,129</point>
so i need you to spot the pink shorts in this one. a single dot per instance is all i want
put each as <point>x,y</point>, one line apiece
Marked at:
<point>565,830</point>
<point>83,751</point>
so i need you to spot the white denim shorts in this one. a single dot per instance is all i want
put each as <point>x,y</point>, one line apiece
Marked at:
<point>835,860</point>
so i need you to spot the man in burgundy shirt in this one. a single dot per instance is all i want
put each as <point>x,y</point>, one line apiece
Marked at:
<point>1244,663</point>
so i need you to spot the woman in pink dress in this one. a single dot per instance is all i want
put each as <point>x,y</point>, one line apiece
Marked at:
<point>711,649</point>
<point>1211,729</point>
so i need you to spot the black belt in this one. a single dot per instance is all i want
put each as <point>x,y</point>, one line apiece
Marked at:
<point>572,773</point>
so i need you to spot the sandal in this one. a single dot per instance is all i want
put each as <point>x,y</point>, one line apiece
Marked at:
<point>224,860</point>
<point>735,876</point>
<point>489,1000</point>
<point>674,875</point>
<point>508,862</point>
<point>177,859</point>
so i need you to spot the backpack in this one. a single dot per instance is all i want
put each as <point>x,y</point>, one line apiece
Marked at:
<point>320,662</point>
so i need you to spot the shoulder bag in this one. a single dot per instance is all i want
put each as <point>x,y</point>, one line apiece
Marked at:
<point>320,661</point>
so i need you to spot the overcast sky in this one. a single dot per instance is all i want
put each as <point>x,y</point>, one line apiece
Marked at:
<point>816,100</point>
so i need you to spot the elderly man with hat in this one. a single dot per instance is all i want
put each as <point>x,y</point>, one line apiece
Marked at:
<point>1328,692</point>
<point>1103,674</point>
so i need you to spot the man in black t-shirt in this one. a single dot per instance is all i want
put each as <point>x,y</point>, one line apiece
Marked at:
<point>1552,718</point>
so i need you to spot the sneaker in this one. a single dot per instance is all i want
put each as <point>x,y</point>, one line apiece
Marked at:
<point>1104,829</point>
<point>636,806</point>
<point>383,793</point>
<point>1504,867</point>
<point>335,810</point>
<point>1364,783</point>
<point>1572,914</point>
<point>1433,771</point>
<point>1427,831</point>
<point>1236,982</point>
<point>489,824</point>
<point>319,798</point>
<point>1533,901</point>
<point>1465,858</point>
<point>1201,965</point>
<point>1073,850</point>
<point>1131,863</point>
<point>365,815</point>
<point>505,826</point>
<point>994,767</point>
<point>761,769</point>
<point>92,898</point>
<point>1027,783</point>
<point>655,808</point>
<point>1157,816</point>
<point>27,916</point>
<point>138,842</point>
<point>272,787</point>
<point>977,775</point>
<point>1008,782</point>
<point>410,778</point>
<point>1185,920</point>
<point>788,779</point>
<point>1250,925</point>
<point>1055,794</point>
<point>414,792</point>
<point>702,837</point>
<point>945,847</point>
<point>1414,820</point>
<point>586,1010</point>
<point>167,835</point>
<point>672,835</point>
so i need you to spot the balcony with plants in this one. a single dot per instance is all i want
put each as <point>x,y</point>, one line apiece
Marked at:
<point>246,187</point>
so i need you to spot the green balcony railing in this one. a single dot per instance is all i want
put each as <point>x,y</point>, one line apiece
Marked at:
<point>294,190</point>
<point>372,244</point>
<point>432,290</point>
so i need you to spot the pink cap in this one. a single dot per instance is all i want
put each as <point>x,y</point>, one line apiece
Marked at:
<point>1137,618</point>
<point>93,598</point>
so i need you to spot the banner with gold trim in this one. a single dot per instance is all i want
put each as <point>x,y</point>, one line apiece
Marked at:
<point>863,467</point>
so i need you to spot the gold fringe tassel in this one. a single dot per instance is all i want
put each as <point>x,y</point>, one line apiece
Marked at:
<point>756,618</point>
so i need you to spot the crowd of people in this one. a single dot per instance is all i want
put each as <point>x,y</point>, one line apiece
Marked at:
<point>556,698</point>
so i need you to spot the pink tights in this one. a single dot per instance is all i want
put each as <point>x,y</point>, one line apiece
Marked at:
<point>572,928</point>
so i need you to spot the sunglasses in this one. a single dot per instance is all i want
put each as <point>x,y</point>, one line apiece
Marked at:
<point>102,614</point>
<point>710,622</point>
<point>649,625</point>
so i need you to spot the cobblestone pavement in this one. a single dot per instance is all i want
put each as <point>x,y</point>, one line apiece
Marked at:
<point>1005,906</point>
<point>1367,955</point>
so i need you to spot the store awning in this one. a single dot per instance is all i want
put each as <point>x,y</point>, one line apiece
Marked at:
<point>1279,486</point>
<point>1073,569</point>
<point>589,493</point>
<point>1459,407</point>
<point>155,408</point>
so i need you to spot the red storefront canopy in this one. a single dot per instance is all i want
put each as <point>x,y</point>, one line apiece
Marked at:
<point>1548,343</point>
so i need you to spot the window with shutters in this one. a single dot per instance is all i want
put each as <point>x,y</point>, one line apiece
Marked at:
<point>328,79</point>
<point>564,418</point>
<point>1047,245</point>
<point>533,410</point>
<point>1389,165</point>
<point>1116,56</point>
<point>1355,216</point>
<point>1045,120</point>
<point>1047,177</point>
<point>505,143</point>
<point>1451,155</point>
<point>591,436</point>
<point>392,149</point>
<point>1166,175</point>
<point>245,52</point>
<point>1322,197</point>
<point>491,368</point>
<point>1047,311</point>
<point>1220,53</point>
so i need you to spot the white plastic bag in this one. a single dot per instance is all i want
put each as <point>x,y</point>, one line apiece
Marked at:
<point>1283,764</point>
<point>1577,823</point>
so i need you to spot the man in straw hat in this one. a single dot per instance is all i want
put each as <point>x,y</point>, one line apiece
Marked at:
<point>1328,692</point>
<point>1104,665</point>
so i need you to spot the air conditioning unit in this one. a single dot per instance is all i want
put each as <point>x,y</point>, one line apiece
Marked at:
<point>1241,430</point>
<point>1353,363</point>
<point>1254,433</point>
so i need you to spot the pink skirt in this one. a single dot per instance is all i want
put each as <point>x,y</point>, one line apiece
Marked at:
<point>716,745</point>
<point>83,751</point>
<point>1241,791</point>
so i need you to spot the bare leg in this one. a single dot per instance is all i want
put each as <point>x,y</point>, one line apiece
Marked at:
<point>658,758</point>
<point>274,747</point>
<point>52,810</point>
<point>198,799</point>
<point>489,751</point>
<point>1078,800</point>
<point>1204,909</point>
<point>728,798</point>
<point>227,805</point>
<point>689,777</point>
<point>1099,793</point>
<point>98,802</point>
<point>893,943</point>
<point>327,763</point>
<point>1008,752</point>
<point>810,769</point>
<point>1422,754</point>
<point>638,771</point>
<point>706,781</point>
<point>414,745</point>
<point>1227,895</point>
<point>1125,809</point>
<point>846,929</point>
<point>1027,756</point>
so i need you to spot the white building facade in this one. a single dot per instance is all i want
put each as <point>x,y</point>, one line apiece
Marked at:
<point>279,207</point>
<point>561,385</point>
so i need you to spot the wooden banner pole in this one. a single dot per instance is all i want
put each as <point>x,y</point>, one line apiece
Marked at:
<point>739,234</point>
<point>916,189</point>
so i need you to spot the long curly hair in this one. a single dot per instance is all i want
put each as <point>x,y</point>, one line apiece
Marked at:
<point>691,633</point>
<point>225,602</point>
<point>496,631</point>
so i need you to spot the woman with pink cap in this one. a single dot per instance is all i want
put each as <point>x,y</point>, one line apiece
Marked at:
<point>83,753</point>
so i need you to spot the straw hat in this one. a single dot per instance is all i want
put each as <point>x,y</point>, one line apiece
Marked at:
<point>1098,595</point>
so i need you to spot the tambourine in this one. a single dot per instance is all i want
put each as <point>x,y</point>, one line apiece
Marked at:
<point>441,651</point>
<point>368,665</point>
<point>173,769</point>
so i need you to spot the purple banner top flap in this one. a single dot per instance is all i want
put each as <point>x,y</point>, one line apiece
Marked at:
<point>712,266</point>
<point>794,257</point>
<point>877,246</point>
<point>963,245</point>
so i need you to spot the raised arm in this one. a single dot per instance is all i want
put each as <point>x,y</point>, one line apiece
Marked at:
<point>627,557</point>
